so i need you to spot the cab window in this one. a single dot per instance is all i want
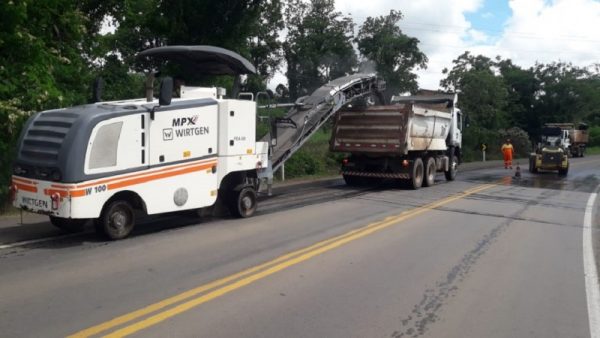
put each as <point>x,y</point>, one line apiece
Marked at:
<point>105,145</point>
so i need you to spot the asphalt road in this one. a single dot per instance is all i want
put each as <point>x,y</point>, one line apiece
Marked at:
<point>488,255</point>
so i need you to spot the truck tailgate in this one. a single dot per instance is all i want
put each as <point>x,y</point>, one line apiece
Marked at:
<point>380,129</point>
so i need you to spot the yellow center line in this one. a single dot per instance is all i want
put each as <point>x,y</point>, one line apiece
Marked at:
<point>253,274</point>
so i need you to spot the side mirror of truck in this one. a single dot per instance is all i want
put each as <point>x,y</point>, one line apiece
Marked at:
<point>166,91</point>
<point>165,94</point>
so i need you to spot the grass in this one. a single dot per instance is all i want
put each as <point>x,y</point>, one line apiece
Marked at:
<point>314,159</point>
<point>592,150</point>
<point>262,126</point>
<point>9,210</point>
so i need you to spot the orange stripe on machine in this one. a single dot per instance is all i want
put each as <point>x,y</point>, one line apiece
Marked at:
<point>22,180</point>
<point>139,179</point>
<point>85,185</point>
<point>25,187</point>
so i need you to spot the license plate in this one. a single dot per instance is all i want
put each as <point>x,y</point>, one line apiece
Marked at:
<point>35,204</point>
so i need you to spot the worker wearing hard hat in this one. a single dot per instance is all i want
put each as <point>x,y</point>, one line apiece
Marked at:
<point>507,152</point>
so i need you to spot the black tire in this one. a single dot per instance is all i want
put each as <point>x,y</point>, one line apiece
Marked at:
<point>416,174</point>
<point>452,167</point>
<point>353,181</point>
<point>532,167</point>
<point>116,221</point>
<point>563,172</point>
<point>68,224</point>
<point>430,171</point>
<point>243,203</point>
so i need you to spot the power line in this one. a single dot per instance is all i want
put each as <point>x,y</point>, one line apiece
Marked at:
<point>440,28</point>
<point>545,51</point>
<point>525,35</point>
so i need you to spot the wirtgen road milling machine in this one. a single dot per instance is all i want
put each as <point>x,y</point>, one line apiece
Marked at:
<point>109,161</point>
<point>104,160</point>
<point>551,153</point>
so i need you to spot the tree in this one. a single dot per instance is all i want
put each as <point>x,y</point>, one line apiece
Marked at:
<point>318,47</point>
<point>264,46</point>
<point>482,94</point>
<point>483,97</point>
<point>249,27</point>
<point>42,66</point>
<point>523,88</point>
<point>396,55</point>
<point>567,93</point>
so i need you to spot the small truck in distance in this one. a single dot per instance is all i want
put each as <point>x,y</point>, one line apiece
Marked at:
<point>574,138</point>
<point>411,139</point>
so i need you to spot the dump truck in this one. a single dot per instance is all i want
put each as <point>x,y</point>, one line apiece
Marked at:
<point>551,153</point>
<point>412,139</point>
<point>574,137</point>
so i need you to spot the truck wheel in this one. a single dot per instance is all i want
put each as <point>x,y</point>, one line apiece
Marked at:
<point>430,171</point>
<point>243,203</point>
<point>416,174</point>
<point>352,181</point>
<point>453,168</point>
<point>68,224</point>
<point>116,221</point>
<point>563,172</point>
<point>532,168</point>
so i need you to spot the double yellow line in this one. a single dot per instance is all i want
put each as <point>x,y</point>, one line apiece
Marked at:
<point>204,293</point>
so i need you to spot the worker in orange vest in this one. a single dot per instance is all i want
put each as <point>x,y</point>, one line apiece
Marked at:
<point>507,151</point>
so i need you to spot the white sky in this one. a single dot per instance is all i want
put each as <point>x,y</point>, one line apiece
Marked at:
<point>526,31</point>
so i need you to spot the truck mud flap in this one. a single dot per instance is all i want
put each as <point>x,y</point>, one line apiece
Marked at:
<point>404,176</point>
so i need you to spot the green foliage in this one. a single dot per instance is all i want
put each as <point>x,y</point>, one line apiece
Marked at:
<point>303,163</point>
<point>483,96</point>
<point>119,83</point>
<point>395,54</point>
<point>314,158</point>
<point>318,47</point>
<point>593,150</point>
<point>474,137</point>
<point>594,133</point>
<point>249,27</point>
<point>496,94</point>
<point>522,86</point>
<point>42,65</point>
<point>263,126</point>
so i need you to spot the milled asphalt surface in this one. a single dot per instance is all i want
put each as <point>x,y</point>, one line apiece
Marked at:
<point>503,262</point>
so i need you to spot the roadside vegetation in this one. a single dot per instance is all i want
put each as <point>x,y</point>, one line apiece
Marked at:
<point>51,54</point>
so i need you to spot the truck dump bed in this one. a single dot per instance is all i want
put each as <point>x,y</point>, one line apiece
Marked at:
<point>580,136</point>
<point>577,133</point>
<point>393,129</point>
